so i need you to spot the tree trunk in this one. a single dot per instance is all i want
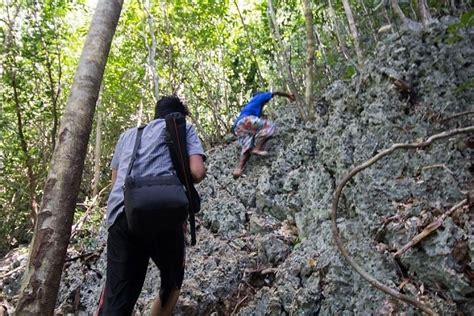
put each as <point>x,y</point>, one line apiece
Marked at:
<point>398,12</point>
<point>452,5</point>
<point>275,32</point>
<point>340,39</point>
<point>254,53</point>
<point>310,49</point>
<point>284,60</point>
<point>424,12</point>
<point>172,78</point>
<point>53,226</point>
<point>54,88</point>
<point>11,68</point>
<point>26,153</point>
<point>98,145</point>
<point>327,67</point>
<point>151,64</point>
<point>369,16</point>
<point>355,36</point>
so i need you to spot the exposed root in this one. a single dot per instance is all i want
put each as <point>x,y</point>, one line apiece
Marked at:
<point>410,300</point>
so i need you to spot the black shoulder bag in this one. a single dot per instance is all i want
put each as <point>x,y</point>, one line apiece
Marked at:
<point>153,202</point>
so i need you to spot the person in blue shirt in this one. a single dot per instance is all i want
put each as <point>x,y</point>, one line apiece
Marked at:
<point>252,130</point>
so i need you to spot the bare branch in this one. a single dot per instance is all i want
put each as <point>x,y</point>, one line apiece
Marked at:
<point>429,229</point>
<point>457,115</point>
<point>337,195</point>
<point>94,202</point>
<point>238,305</point>
<point>437,166</point>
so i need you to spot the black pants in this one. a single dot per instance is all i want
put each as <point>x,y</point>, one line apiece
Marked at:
<point>127,263</point>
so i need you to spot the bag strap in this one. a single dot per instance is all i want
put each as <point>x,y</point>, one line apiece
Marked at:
<point>177,147</point>
<point>135,148</point>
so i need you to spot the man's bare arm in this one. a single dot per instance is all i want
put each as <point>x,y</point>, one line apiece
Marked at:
<point>290,96</point>
<point>198,169</point>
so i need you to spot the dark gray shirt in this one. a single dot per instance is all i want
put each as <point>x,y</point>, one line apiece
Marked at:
<point>153,159</point>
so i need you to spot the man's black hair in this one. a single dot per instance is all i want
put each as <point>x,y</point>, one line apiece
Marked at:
<point>169,104</point>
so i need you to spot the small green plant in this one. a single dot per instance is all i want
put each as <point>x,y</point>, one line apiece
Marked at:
<point>467,85</point>
<point>466,21</point>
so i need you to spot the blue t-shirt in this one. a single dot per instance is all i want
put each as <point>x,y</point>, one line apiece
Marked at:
<point>255,105</point>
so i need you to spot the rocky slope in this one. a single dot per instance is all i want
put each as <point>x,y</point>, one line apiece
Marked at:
<point>265,243</point>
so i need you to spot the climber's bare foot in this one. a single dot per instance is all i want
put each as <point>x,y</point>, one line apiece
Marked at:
<point>237,173</point>
<point>259,152</point>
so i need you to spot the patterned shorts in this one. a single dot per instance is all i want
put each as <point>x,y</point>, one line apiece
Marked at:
<point>252,130</point>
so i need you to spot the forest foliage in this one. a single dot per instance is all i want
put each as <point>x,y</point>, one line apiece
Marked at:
<point>211,53</point>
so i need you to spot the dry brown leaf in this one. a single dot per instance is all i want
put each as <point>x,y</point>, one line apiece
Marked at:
<point>312,262</point>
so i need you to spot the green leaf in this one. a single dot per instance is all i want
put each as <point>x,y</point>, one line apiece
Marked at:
<point>467,19</point>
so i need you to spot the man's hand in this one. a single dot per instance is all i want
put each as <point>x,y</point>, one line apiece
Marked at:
<point>290,96</point>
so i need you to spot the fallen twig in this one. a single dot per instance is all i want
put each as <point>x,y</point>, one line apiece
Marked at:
<point>337,195</point>
<point>4,276</point>
<point>430,228</point>
<point>442,165</point>
<point>457,115</point>
<point>238,305</point>
<point>86,256</point>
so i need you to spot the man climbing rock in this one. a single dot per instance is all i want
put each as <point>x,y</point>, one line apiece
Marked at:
<point>252,130</point>
<point>143,154</point>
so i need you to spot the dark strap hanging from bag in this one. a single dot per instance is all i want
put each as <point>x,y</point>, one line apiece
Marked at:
<point>176,141</point>
<point>135,148</point>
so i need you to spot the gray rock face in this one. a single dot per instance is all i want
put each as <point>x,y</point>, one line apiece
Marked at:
<point>265,243</point>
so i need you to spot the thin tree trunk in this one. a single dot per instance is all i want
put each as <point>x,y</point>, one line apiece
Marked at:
<point>341,41</point>
<point>353,29</point>
<point>53,227</point>
<point>369,17</point>
<point>151,51</point>
<point>54,88</point>
<point>171,68</point>
<point>97,153</point>
<point>284,60</point>
<point>254,53</point>
<point>11,69</point>
<point>98,144</point>
<point>140,109</point>
<point>227,109</point>
<point>275,32</point>
<point>310,49</point>
<point>386,16</point>
<point>26,153</point>
<point>327,68</point>
<point>452,4</point>
<point>424,12</point>
<point>219,124</point>
<point>398,12</point>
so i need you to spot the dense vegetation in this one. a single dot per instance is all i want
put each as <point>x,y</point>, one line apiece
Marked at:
<point>211,53</point>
